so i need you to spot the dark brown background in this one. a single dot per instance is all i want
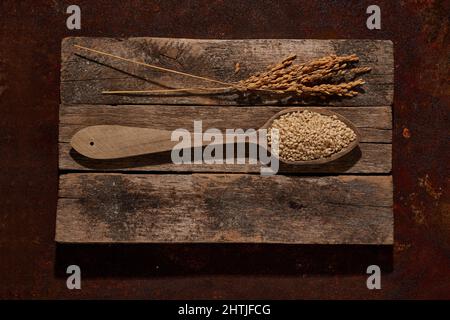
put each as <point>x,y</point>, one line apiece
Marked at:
<point>32,266</point>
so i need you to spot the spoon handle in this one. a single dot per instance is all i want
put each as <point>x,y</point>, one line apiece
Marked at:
<point>114,141</point>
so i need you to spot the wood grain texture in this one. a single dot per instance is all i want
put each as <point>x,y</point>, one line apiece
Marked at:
<point>367,158</point>
<point>99,207</point>
<point>113,142</point>
<point>374,123</point>
<point>372,156</point>
<point>218,203</point>
<point>84,75</point>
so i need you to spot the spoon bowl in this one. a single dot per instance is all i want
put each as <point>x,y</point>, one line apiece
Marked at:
<point>325,112</point>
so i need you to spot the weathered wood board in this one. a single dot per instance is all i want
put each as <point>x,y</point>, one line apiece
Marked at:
<point>224,208</point>
<point>373,155</point>
<point>83,78</point>
<point>150,199</point>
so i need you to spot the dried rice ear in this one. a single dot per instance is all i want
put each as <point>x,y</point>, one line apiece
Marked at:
<point>323,78</point>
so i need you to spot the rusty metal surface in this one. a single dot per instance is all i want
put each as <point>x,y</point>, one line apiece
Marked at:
<point>32,266</point>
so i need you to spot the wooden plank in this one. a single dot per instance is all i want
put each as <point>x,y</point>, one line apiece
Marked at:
<point>367,158</point>
<point>374,123</point>
<point>84,76</point>
<point>98,207</point>
<point>372,157</point>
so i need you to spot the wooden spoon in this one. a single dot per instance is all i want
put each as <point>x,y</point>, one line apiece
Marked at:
<point>115,141</point>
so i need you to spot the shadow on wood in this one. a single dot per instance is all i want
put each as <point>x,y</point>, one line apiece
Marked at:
<point>153,260</point>
<point>339,165</point>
